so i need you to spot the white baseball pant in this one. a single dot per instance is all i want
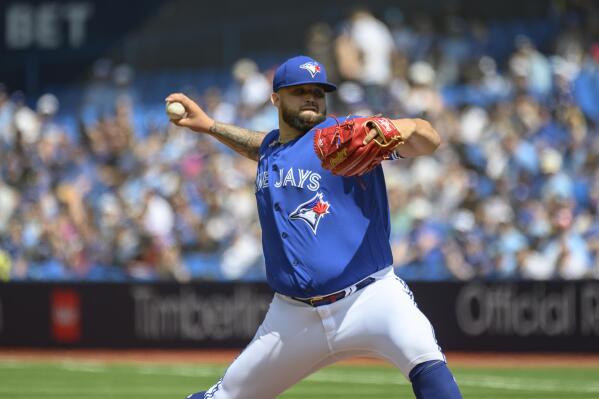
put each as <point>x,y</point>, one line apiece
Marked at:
<point>296,339</point>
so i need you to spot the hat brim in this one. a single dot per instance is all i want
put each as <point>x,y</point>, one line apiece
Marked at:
<point>328,87</point>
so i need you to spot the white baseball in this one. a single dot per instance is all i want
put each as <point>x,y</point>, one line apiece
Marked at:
<point>175,110</point>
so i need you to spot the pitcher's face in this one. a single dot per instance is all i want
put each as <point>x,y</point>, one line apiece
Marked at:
<point>302,107</point>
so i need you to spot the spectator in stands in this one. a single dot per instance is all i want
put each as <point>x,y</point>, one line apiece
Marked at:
<point>369,64</point>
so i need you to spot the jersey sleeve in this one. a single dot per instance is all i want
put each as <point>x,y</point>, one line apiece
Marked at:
<point>394,156</point>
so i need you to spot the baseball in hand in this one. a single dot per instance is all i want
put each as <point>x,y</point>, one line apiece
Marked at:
<point>175,110</point>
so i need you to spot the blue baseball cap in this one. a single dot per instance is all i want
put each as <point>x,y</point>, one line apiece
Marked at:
<point>301,70</point>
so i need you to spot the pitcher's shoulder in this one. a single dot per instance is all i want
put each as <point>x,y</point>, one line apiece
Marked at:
<point>269,139</point>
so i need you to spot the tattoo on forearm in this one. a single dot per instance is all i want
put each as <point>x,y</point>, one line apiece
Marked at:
<point>246,142</point>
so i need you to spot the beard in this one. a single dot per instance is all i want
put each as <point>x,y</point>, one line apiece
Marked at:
<point>302,122</point>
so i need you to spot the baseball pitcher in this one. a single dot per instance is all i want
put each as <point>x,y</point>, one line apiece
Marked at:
<point>323,208</point>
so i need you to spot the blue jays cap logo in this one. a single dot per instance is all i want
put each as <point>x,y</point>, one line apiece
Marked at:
<point>311,211</point>
<point>311,67</point>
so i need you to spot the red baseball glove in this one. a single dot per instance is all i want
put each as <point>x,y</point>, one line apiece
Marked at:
<point>342,150</point>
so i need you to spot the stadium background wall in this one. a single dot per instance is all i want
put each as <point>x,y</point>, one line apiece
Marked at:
<point>503,316</point>
<point>43,42</point>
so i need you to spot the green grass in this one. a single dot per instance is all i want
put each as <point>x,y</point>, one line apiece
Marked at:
<point>91,380</point>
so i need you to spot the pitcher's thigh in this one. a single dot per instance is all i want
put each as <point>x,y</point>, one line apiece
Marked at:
<point>411,337</point>
<point>283,351</point>
<point>386,321</point>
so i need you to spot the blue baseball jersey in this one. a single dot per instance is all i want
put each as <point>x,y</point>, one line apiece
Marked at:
<point>320,232</point>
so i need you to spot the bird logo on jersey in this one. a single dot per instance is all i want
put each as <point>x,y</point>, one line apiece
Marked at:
<point>311,67</point>
<point>311,211</point>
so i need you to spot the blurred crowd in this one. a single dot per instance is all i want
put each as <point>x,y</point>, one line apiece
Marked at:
<point>512,193</point>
